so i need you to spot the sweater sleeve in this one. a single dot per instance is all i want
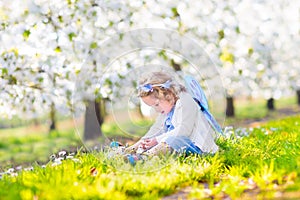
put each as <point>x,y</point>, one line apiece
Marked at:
<point>157,128</point>
<point>183,119</point>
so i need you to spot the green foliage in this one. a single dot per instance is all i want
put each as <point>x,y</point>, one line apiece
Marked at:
<point>57,49</point>
<point>221,34</point>
<point>26,34</point>
<point>226,56</point>
<point>4,71</point>
<point>175,12</point>
<point>262,164</point>
<point>71,36</point>
<point>93,45</point>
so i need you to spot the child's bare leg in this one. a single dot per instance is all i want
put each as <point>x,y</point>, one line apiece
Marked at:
<point>161,148</point>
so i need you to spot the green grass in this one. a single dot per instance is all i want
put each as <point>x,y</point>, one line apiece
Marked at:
<point>34,148</point>
<point>263,165</point>
<point>33,144</point>
<point>255,109</point>
<point>27,144</point>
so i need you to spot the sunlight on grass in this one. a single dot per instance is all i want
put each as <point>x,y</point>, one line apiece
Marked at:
<point>34,147</point>
<point>263,164</point>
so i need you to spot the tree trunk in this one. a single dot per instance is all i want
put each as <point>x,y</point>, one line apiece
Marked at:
<point>270,104</point>
<point>93,121</point>
<point>229,107</point>
<point>298,96</point>
<point>52,118</point>
<point>100,111</point>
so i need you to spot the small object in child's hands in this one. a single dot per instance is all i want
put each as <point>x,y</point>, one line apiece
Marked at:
<point>115,144</point>
<point>133,158</point>
<point>116,148</point>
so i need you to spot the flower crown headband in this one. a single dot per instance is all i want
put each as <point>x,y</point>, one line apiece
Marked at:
<point>149,87</point>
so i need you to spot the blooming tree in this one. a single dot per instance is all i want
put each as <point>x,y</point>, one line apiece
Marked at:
<point>64,55</point>
<point>255,45</point>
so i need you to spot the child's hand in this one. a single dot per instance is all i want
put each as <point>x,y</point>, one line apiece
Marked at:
<point>133,148</point>
<point>148,143</point>
<point>130,149</point>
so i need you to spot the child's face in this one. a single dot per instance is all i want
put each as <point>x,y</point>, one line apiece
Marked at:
<point>160,105</point>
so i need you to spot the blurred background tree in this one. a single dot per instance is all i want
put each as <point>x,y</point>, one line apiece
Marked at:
<point>50,59</point>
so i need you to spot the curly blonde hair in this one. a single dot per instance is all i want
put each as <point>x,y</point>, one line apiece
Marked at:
<point>170,94</point>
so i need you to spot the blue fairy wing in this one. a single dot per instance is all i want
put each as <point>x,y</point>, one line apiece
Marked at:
<point>196,91</point>
<point>198,95</point>
<point>213,122</point>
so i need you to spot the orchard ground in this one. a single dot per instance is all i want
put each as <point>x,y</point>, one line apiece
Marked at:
<point>264,164</point>
<point>29,144</point>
